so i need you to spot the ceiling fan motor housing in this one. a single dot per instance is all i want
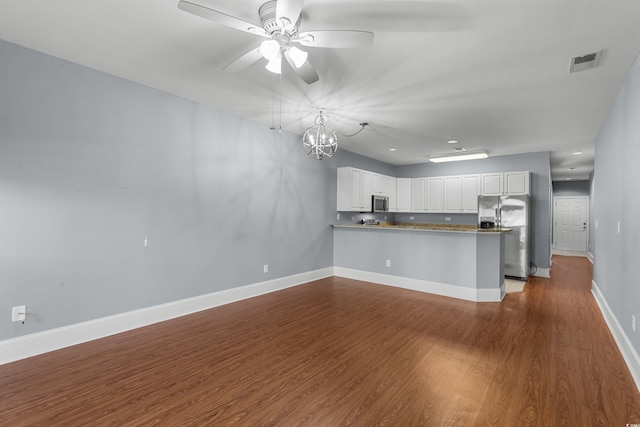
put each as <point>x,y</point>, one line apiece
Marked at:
<point>267,14</point>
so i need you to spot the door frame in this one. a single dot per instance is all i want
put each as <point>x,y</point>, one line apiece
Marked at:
<point>555,223</point>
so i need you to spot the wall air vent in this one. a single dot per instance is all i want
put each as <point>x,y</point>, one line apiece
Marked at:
<point>585,62</point>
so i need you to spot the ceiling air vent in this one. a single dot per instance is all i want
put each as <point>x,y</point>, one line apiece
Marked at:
<point>585,62</point>
<point>459,149</point>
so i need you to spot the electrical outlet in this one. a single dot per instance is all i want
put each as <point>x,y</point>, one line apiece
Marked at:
<point>411,218</point>
<point>353,218</point>
<point>19,313</point>
<point>618,227</point>
<point>447,218</point>
<point>388,263</point>
<point>265,268</point>
<point>633,322</point>
<point>338,217</point>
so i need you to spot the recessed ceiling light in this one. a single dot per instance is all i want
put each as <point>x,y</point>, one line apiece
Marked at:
<point>572,169</point>
<point>452,141</point>
<point>577,152</point>
<point>393,149</point>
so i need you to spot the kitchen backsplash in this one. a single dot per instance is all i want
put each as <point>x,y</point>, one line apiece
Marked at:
<point>418,218</point>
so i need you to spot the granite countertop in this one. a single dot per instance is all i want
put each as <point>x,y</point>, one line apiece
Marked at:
<point>467,228</point>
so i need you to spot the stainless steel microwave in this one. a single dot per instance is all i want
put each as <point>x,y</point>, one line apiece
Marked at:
<point>379,203</point>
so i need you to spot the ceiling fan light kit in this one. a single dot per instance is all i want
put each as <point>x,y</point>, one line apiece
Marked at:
<point>298,56</point>
<point>319,140</point>
<point>280,21</point>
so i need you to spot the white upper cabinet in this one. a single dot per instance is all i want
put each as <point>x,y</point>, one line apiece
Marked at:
<point>452,193</point>
<point>356,186</point>
<point>418,194</point>
<point>435,194</point>
<point>386,186</point>
<point>461,193</point>
<point>403,194</point>
<point>354,190</point>
<point>470,190</point>
<point>516,183</point>
<point>507,183</point>
<point>491,184</point>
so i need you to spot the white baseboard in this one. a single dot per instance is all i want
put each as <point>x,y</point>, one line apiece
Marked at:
<point>543,272</point>
<point>54,339</point>
<point>629,354</point>
<point>444,289</point>
<point>590,256</point>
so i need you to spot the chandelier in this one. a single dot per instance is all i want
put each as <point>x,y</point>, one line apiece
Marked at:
<point>320,141</point>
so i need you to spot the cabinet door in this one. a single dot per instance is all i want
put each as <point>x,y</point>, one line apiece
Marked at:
<point>403,192</point>
<point>470,190</point>
<point>366,190</point>
<point>388,188</point>
<point>344,189</point>
<point>356,189</point>
<point>435,194</point>
<point>491,184</point>
<point>377,183</point>
<point>516,183</point>
<point>418,194</point>
<point>452,193</point>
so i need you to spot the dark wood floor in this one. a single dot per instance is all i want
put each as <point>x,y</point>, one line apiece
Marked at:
<point>342,352</point>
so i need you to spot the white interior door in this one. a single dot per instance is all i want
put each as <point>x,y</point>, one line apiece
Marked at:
<point>571,222</point>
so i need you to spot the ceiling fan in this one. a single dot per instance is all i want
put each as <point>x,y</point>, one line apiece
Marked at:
<point>280,21</point>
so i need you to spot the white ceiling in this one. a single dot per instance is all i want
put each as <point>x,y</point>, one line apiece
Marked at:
<point>492,74</point>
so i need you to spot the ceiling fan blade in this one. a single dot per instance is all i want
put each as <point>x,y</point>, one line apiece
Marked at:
<point>289,10</point>
<point>221,18</point>
<point>335,38</point>
<point>306,72</point>
<point>244,61</point>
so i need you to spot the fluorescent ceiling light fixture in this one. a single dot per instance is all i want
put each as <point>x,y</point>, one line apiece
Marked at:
<point>299,57</point>
<point>393,149</point>
<point>452,141</point>
<point>454,157</point>
<point>578,152</point>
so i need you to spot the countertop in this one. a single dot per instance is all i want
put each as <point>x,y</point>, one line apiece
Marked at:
<point>461,228</point>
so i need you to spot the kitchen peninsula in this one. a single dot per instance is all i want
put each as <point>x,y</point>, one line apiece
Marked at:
<point>458,261</point>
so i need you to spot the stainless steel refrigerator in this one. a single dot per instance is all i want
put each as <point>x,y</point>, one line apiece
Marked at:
<point>510,212</point>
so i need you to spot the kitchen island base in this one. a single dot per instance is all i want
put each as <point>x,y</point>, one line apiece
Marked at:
<point>460,264</point>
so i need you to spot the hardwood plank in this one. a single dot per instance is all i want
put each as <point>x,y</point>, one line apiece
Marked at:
<point>344,352</point>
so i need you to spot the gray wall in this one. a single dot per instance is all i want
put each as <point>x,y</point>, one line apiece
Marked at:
<point>571,188</point>
<point>539,164</point>
<point>91,165</point>
<point>615,199</point>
